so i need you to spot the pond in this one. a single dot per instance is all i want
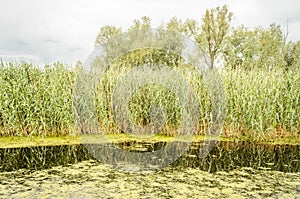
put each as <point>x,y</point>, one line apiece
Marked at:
<point>231,169</point>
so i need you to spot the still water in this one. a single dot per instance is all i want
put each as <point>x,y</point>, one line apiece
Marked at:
<point>231,170</point>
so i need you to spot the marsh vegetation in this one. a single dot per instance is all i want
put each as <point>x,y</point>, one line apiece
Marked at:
<point>41,140</point>
<point>38,102</point>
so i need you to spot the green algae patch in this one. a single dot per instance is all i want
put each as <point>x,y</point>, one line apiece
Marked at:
<point>91,179</point>
<point>19,142</point>
<point>30,141</point>
<point>280,141</point>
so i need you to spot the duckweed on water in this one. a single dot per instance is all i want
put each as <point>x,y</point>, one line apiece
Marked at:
<point>90,179</point>
<point>32,141</point>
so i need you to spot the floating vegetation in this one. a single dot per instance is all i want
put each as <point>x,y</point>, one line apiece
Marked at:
<point>235,170</point>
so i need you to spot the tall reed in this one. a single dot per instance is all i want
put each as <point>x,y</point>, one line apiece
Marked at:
<point>38,101</point>
<point>35,101</point>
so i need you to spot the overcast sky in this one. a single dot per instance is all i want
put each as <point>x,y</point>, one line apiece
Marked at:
<point>44,31</point>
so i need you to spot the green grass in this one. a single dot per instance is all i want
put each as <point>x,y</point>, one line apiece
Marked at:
<point>38,102</point>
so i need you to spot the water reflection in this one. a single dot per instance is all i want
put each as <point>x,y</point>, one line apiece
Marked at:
<point>223,157</point>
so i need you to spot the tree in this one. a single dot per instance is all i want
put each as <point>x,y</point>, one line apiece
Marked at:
<point>271,47</point>
<point>256,48</point>
<point>292,55</point>
<point>106,33</point>
<point>216,25</point>
<point>140,33</point>
<point>144,24</point>
<point>174,25</point>
<point>190,28</point>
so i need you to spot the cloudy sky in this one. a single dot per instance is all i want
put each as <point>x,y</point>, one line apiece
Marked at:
<point>44,31</point>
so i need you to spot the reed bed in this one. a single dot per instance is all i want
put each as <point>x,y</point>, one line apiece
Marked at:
<point>37,101</point>
<point>263,103</point>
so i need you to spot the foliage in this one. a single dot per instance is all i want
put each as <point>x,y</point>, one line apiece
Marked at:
<point>34,100</point>
<point>261,74</point>
<point>257,48</point>
<point>292,55</point>
<point>262,103</point>
<point>106,33</point>
<point>37,101</point>
<point>216,25</point>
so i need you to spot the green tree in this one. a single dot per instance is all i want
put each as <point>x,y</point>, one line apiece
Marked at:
<point>241,48</point>
<point>292,55</point>
<point>140,31</point>
<point>271,43</point>
<point>106,33</point>
<point>191,28</point>
<point>257,48</point>
<point>215,27</point>
<point>174,25</point>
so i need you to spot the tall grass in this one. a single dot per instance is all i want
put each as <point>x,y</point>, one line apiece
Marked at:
<point>35,101</point>
<point>263,103</point>
<point>38,101</point>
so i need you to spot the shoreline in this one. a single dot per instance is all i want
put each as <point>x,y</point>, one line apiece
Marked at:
<point>36,141</point>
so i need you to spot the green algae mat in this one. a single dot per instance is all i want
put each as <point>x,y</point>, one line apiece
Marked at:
<point>16,142</point>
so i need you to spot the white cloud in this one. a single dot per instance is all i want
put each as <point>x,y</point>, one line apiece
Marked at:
<point>263,13</point>
<point>52,30</point>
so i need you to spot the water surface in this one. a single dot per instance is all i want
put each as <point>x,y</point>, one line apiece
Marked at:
<point>231,170</point>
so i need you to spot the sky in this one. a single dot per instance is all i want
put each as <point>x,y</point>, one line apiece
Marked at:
<point>46,31</point>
